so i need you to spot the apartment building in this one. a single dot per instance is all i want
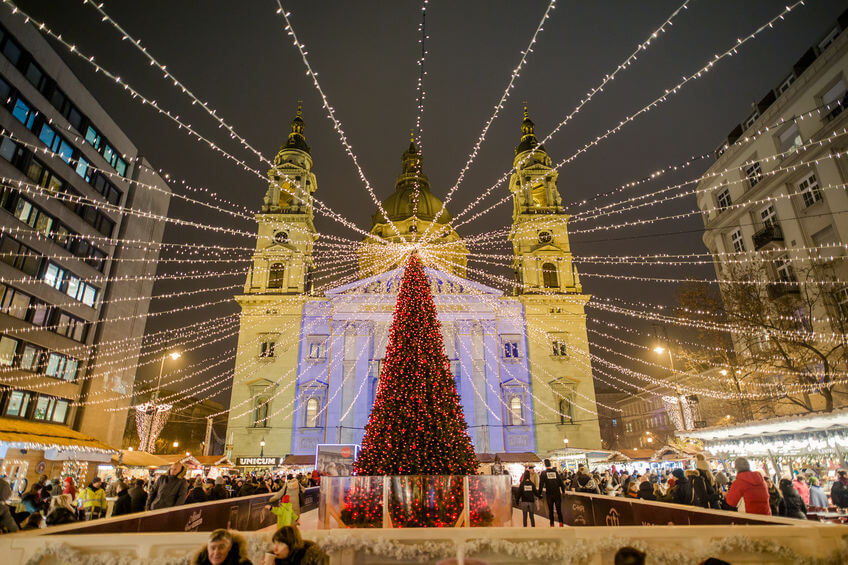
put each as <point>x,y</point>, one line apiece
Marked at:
<point>76,262</point>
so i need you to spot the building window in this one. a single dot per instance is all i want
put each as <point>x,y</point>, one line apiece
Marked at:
<point>549,276</point>
<point>736,240</point>
<point>316,350</point>
<point>510,350</point>
<point>787,82</point>
<point>809,190</point>
<point>267,349</point>
<point>312,413</point>
<point>516,411</point>
<point>751,119</point>
<point>828,39</point>
<point>769,216</point>
<point>14,303</point>
<point>790,139</point>
<point>833,100</point>
<point>277,276</point>
<point>559,348</point>
<point>841,299</point>
<point>260,412</point>
<point>8,349</point>
<point>783,269</point>
<point>18,403</point>
<point>754,173</point>
<point>723,199</point>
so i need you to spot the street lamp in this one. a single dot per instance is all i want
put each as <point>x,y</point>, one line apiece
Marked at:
<point>659,350</point>
<point>262,448</point>
<point>176,444</point>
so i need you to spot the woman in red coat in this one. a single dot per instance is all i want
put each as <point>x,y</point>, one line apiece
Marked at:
<point>750,487</point>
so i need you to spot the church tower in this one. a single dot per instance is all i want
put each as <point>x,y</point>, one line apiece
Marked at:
<point>548,285</point>
<point>278,284</point>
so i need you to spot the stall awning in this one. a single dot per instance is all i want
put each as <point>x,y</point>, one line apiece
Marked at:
<point>25,434</point>
<point>184,459</point>
<point>797,423</point>
<point>139,459</point>
<point>302,460</point>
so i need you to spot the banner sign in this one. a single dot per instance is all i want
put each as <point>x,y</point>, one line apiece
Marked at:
<point>258,461</point>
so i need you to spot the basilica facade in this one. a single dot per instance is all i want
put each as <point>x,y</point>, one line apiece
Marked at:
<point>308,363</point>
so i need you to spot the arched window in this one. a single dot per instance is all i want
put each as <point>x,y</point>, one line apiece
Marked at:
<point>277,276</point>
<point>312,413</point>
<point>549,276</point>
<point>516,415</point>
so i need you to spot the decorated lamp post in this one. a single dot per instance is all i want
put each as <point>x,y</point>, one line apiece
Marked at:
<point>150,416</point>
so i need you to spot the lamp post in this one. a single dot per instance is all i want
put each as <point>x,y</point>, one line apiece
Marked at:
<point>174,355</point>
<point>659,350</point>
<point>262,448</point>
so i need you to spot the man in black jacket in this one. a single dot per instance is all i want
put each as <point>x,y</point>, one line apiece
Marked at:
<point>124,503</point>
<point>219,491</point>
<point>551,485</point>
<point>169,490</point>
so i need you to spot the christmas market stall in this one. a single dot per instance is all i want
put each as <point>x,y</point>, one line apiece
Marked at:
<point>570,458</point>
<point>513,463</point>
<point>31,449</point>
<point>295,464</point>
<point>192,464</point>
<point>779,445</point>
<point>130,464</point>
<point>214,466</point>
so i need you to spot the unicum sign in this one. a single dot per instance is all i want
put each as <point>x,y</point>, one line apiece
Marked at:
<point>256,461</point>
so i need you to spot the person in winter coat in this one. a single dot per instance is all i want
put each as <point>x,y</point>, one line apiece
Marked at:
<point>124,503</point>
<point>7,522</point>
<point>196,494</point>
<point>225,547</point>
<point>632,490</point>
<point>61,511</point>
<point>750,487</point>
<point>293,489</point>
<point>818,498</point>
<point>169,490</point>
<point>839,490</point>
<point>138,496</point>
<point>585,483</point>
<point>551,482</point>
<point>218,492</point>
<point>681,492</point>
<point>68,487</point>
<point>706,491</point>
<point>526,497</point>
<point>247,489</point>
<point>792,505</point>
<point>291,549</point>
<point>800,484</point>
<point>92,500</point>
<point>31,501</point>
<point>646,491</point>
<point>774,498</point>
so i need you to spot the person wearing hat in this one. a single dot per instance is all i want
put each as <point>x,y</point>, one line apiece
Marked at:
<point>92,500</point>
<point>68,487</point>
<point>170,489</point>
<point>818,497</point>
<point>219,491</point>
<point>682,491</point>
<point>551,485</point>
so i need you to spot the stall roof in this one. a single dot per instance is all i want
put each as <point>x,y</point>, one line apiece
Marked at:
<point>786,424</point>
<point>39,435</point>
<point>671,453</point>
<point>139,459</point>
<point>187,459</point>
<point>214,461</point>
<point>302,460</point>
<point>523,457</point>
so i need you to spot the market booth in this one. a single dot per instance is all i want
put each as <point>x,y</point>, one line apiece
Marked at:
<point>31,449</point>
<point>131,465</point>
<point>513,463</point>
<point>214,466</point>
<point>779,445</point>
<point>570,458</point>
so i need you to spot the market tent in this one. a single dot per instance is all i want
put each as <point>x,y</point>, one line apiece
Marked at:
<point>618,457</point>
<point>672,453</point>
<point>184,459</point>
<point>23,434</point>
<point>138,459</point>
<point>522,457</point>
<point>214,461</point>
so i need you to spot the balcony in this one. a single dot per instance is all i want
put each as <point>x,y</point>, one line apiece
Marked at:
<point>769,237</point>
<point>781,288</point>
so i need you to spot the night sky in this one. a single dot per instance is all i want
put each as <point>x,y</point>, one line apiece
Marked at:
<point>237,57</point>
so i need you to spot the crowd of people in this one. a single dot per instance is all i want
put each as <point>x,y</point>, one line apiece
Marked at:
<point>746,490</point>
<point>48,504</point>
<point>226,547</point>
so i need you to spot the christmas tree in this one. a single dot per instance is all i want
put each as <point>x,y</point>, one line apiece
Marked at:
<point>417,426</point>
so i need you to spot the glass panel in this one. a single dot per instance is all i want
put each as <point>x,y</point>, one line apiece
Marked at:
<point>92,137</point>
<point>8,346</point>
<point>47,134</point>
<point>43,224</point>
<point>18,403</point>
<point>34,171</point>
<point>121,167</point>
<point>7,149</point>
<point>54,184</point>
<point>60,411</point>
<point>12,51</point>
<point>23,210</point>
<point>29,358</point>
<point>107,153</point>
<point>82,168</point>
<point>54,365</point>
<point>34,74</point>
<point>75,118</point>
<point>73,286</point>
<point>42,407</point>
<point>70,372</point>
<point>19,305</point>
<point>89,296</point>
<point>22,112</point>
<point>53,275</point>
<point>66,152</point>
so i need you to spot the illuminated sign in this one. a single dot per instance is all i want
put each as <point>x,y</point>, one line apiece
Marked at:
<point>258,461</point>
